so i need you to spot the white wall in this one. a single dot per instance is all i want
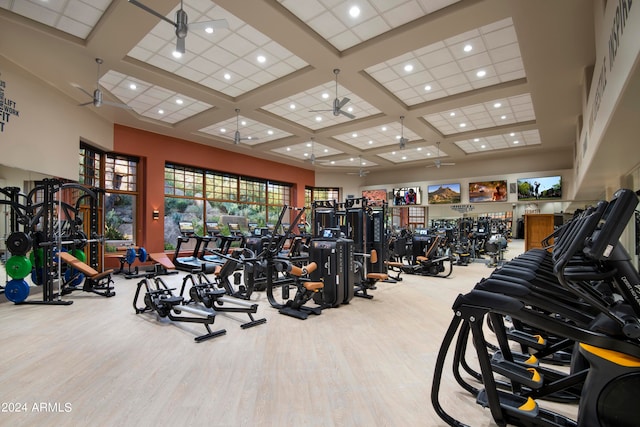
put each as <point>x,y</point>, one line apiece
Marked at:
<point>45,134</point>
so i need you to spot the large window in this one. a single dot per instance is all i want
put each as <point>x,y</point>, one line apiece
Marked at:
<point>118,176</point>
<point>198,196</point>
<point>121,185</point>
<point>311,194</point>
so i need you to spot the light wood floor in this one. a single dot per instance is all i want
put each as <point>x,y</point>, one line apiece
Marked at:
<point>368,363</point>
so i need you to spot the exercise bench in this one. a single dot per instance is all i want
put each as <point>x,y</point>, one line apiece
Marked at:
<point>94,281</point>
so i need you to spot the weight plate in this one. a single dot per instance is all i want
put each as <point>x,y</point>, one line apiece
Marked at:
<point>80,255</point>
<point>36,276</point>
<point>80,239</point>
<point>142,254</point>
<point>18,243</point>
<point>16,290</point>
<point>37,257</point>
<point>130,256</point>
<point>73,277</point>
<point>18,267</point>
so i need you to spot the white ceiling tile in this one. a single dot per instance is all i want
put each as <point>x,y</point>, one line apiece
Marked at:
<point>445,70</point>
<point>371,28</point>
<point>403,13</point>
<point>502,37</point>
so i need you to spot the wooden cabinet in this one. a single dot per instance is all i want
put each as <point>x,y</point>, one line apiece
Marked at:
<point>536,228</point>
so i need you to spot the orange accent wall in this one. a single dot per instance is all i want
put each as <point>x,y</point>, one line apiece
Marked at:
<point>155,149</point>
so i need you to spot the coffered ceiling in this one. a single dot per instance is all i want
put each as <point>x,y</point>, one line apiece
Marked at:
<point>498,78</point>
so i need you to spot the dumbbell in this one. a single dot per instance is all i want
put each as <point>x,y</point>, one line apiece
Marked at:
<point>131,255</point>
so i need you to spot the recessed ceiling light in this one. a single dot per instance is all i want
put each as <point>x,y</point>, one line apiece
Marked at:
<point>452,114</point>
<point>397,136</point>
<point>133,86</point>
<point>292,106</point>
<point>483,146</point>
<point>462,125</point>
<point>427,88</point>
<point>288,148</point>
<point>223,130</point>
<point>208,30</point>
<point>350,109</point>
<point>351,159</point>
<point>419,148</point>
<point>243,123</point>
<point>516,142</point>
<point>306,154</point>
<point>325,95</point>
<point>481,73</point>
<point>318,118</point>
<point>497,105</point>
<point>308,144</point>
<point>354,12</point>
<point>428,154</point>
<point>384,128</point>
<point>269,132</point>
<point>503,117</point>
<point>370,142</point>
<point>393,153</point>
<point>176,54</point>
<point>354,135</point>
<point>476,139</point>
<point>404,157</point>
<point>227,76</point>
<point>179,101</point>
<point>408,68</point>
<point>364,163</point>
<point>160,111</point>
<point>261,59</point>
<point>512,134</point>
<point>333,162</point>
<point>467,48</point>
<point>326,150</point>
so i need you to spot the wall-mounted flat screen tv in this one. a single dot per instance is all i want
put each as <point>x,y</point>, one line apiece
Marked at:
<point>443,194</point>
<point>375,195</point>
<point>487,191</point>
<point>545,188</point>
<point>406,196</point>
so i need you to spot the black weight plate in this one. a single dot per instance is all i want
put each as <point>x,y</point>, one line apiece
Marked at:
<point>18,243</point>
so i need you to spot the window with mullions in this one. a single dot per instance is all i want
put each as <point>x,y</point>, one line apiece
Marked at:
<point>221,187</point>
<point>253,191</point>
<point>90,161</point>
<point>120,181</point>
<point>197,196</point>
<point>183,181</point>
<point>321,193</point>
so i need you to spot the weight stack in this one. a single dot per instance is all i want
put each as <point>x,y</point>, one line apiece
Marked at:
<point>334,258</point>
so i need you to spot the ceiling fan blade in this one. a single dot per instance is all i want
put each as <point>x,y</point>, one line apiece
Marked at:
<point>85,103</point>
<point>180,45</point>
<point>344,113</point>
<point>342,103</point>
<point>84,91</point>
<point>151,11</point>
<point>318,111</point>
<point>447,164</point>
<point>215,24</point>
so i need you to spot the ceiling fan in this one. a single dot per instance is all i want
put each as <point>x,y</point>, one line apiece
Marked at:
<point>337,103</point>
<point>312,157</point>
<point>403,140</point>
<point>361,172</point>
<point>181,23</point>
<point>236,135</point>
<point>96,97</point>
<point>437,162</point>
